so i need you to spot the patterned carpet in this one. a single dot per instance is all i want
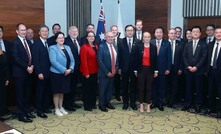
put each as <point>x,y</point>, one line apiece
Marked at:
<point>118,121</point>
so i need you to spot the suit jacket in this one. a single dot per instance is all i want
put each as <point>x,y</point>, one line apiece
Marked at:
<point>210,52</point>
<point>104,60</point>
<point>119,40</point>
<point>51,41</point>
<point>97,40</point>
<point>40,58</point>
<point>205,40</point>
<point>74,50</point>
<point>58,59</point>
<point>126,59</point>
<point>164,57</point>
<point>135,35</point>
<point>178,57</point>
<point>198,59</point>
<point>88,57</point>
<point>8,48</point>
<point>19,58</point>
<point>139,50</point>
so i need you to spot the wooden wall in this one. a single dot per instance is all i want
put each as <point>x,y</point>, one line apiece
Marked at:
<point>29,12</point>
<point>154,13</point>
<point>202,22</point>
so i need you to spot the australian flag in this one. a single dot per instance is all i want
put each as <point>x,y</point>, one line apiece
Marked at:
<point>101,24</point>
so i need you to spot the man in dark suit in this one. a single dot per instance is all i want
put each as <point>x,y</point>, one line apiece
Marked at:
<point>30,35</point>
<point>90,28</point>
<point>126,53</point>
<point>164,66</point>
<point>139,26</point>
<point>107,63</point>
<point>41,63</point>
<point>210,34</point>
<point>214,73</point>
<point>6,47</point>
<point>73,42</point>
<point>117,80</point>
<point>179,34</point>
<point>194,57</point>
<point>176,68</point>
<point>55,28</point>
<point>21,72</point>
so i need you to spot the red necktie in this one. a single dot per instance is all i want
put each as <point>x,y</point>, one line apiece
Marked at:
<point>28,54</point>
<point>112,59</point>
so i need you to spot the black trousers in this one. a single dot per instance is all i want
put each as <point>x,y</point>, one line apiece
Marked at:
<point>172,86</point>
<point>22,95</point>
<point>214,89</point>
<point>191,80</point>
<point>117,85</point>
<point>144,81</point>
<point>158,90</point>
<point>129,87</point>
<point>42,99</point>
<point>89,91</point>
<point>69,97</point>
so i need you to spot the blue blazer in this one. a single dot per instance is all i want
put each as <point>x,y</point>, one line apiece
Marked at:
<point>58,59</point>
<point>104,60</point>
<point>164,57</point>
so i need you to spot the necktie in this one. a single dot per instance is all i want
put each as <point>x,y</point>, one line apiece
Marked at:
<point>28,53</point>
<point>194,46</point>
<point>129,45</point>
<point>75,44</point>
<point>158,47</point>
<point>172,52</point>
<point>209,39</point>
<point>46,45</point>
<point>215,55</point>
<point>112,59</point>
<point>0,45</point>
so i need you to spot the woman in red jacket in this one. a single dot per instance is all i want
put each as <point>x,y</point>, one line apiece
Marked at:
<point>89,69</point>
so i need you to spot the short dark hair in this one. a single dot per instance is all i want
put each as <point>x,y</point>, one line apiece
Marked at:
<point>41,26</point>
<point>217,27</point>
<point>210,25</point>
<point>196,27</point>
<point>90,24</point>
<point>129,26</point>
<point>159,28</point>
<point>56,35</point>
<point>56,24</point>
<point>17,26</point>
<point>178,28</point>
<point>87,36</point>
<point>1,27</point>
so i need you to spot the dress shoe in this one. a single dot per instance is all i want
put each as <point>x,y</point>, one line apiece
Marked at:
<point>152,106</point>
<point>42,115</point>
<point>109,106</point>
<point>197,109</point>
<point>25,119</point>
<point>170,106</point>
<point>103,109</point>
<point>133,106</point>
<point>208,111</point>
<point>118,98</point>
<point>30,115</point>
<point>218,115</point>
<point>125,107</point>
<point>185,108</point>
<point>87,109</point>
<point>76,105</point>
<point>161,108</point>
<point>70,108</point>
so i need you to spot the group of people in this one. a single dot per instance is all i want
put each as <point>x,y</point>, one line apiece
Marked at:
<point>155,72</point>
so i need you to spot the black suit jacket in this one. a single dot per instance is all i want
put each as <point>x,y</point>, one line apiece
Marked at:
<point>97,40</point>
<point>20,59</point>
<point>135,35</point>
<point>40,58</point>
<point>205,40</point>
<point>198,59</point>
<point>210,52</point>
<point>8,48</point>
<point>74,50</point>
<point>139,50</point>
<point>51,41</point>
<point>178,57</point>
<point>126,59</point>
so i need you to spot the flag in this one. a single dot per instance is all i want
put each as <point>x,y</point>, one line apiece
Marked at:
<point>101,24</point>
<point>119,22</point>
